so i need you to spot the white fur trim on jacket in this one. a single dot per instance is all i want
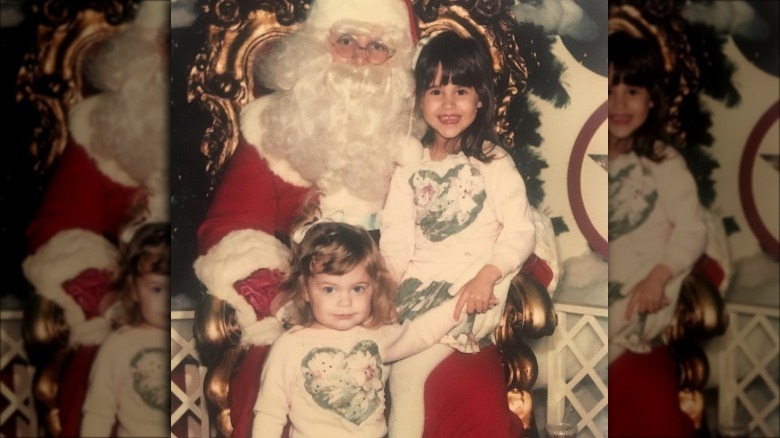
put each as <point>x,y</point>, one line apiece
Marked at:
<point>263,332</point>
<point>546,248</point>
<point>62,258</point>
<point>234,258</point>
<point>717,246</point>
<point>90,332</point>
<point>410,151</point>
<point>252,131</point>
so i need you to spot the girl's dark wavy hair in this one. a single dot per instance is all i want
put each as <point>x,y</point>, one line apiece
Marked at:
<point>466,63</point>
<point>335,248</point>
<point>148,252</point>
<point>637,62</point>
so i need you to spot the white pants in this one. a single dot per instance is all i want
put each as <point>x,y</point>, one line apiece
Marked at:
<point>407,387</point>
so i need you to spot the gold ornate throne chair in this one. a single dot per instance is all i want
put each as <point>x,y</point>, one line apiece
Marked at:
<point>221,82</point>
<point>51,79</point>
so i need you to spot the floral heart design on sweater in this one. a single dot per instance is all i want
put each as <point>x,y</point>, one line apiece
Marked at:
<point>632,197</point>
<point>148,369</point>
<point>347,383</point>
<point>447,204</point>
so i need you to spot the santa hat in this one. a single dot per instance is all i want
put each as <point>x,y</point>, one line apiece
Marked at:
<point>386,13</point>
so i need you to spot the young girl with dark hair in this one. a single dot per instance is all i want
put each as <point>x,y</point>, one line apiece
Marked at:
<point>656,234</point>
<point>457,223</point>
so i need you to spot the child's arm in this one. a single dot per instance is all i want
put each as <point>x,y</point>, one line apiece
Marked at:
<point>515,242</point>
<point>396,240</point>
<point>507,197</point>
<point>679,195</point>
<point>648,295</point>
<point>414,336</point>
<point>686,242</point>
<point>100,404</point>
<point>273,399</point>
<point>477,294</point>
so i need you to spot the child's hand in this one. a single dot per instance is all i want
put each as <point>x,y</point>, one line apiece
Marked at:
<point>648,295</point>
<point>477,294</point>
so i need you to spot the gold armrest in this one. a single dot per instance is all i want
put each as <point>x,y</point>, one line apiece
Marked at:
<point>44,329</point>
<point>216,387</point>
<point>215,329</point>
<point>529,309</point>
<point>217,336</point>
<point>46,342</point>
<point>700,312</point>
<point>529,312</point>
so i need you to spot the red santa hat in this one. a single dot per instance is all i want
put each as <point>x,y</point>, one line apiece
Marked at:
<point>386,13</point>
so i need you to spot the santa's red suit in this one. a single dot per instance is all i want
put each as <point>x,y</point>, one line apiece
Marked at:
<point>73,250</point>
<point>243,258</point>
<point>243,261</point>
<point>99,193</point>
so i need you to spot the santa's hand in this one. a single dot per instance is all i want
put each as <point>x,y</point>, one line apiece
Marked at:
<point>260,289</point>
<point>89,289</point>
<point>648,296</point>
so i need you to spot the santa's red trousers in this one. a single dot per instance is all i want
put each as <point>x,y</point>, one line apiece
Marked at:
<point>72,389</point>
<point>643,397</point>
<point>465,396</point>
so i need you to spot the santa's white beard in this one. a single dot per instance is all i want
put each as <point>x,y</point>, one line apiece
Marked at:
<point>132,128</point>
<point>130,120</point>
<point>340,126</point>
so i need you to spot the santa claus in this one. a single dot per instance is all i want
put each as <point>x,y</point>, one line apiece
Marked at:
<point>338,122</point>
<point>111,178</point>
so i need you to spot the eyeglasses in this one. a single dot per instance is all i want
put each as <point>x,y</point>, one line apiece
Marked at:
<point>347,46</point>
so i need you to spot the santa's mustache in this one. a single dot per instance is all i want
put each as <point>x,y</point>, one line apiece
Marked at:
<point>348,81</point>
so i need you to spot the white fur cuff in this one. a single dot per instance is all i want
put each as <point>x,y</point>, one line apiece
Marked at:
<point>234,258</point>
<point>90,332</point>
<point>62,258</point>
<point>546,248</point>
<point>263,332</point>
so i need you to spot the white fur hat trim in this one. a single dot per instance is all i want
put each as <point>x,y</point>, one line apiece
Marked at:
<point>389,13</point>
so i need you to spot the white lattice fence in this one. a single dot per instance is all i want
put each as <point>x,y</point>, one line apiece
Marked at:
<point>577,369</point>
<point>189,417</point>
<point>749,369</point>
<point>17,409</point>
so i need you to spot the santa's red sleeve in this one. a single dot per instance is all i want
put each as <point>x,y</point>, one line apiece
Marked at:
<point>71,241</point>
<point>241,259</point>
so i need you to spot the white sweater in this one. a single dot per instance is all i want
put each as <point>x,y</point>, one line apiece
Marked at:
<point>332,383</point>
<point>129,384</point>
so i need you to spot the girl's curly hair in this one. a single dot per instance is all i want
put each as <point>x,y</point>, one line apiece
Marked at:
<point>336,248</point>
<point>148,252</point>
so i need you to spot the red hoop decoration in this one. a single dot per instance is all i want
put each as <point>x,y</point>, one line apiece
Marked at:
<point>596,241</point>
<point>768,242</point>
